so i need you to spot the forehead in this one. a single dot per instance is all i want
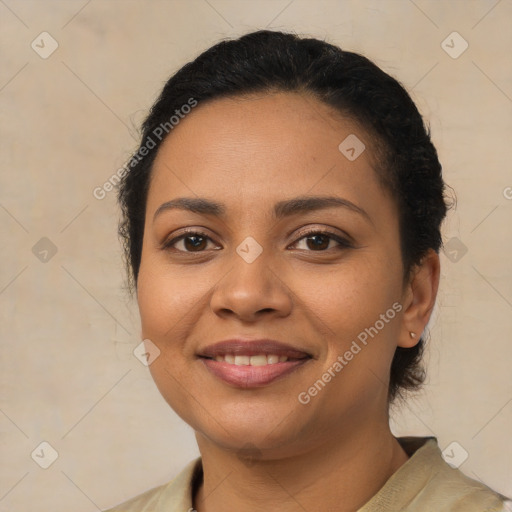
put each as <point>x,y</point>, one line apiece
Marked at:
<point>281,120</point>
<point>263,147</point>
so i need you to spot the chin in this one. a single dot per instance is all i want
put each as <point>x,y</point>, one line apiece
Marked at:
<point>237,430</point>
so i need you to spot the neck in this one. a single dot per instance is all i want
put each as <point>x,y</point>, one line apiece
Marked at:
<point>341,475</point>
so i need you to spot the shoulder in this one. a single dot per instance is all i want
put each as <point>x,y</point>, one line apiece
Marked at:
<point>175,495</point>
<point>141,502</point>
<point>459,493</point>
<point>447,488</point>
<point>427,482</point>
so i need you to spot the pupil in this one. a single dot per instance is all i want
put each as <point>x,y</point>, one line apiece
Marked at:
<point>318,244</point>
<point>198,241</point>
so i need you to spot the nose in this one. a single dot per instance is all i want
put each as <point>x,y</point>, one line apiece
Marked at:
<point>252,290</point>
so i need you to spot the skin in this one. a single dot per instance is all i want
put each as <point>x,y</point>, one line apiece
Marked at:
<point>337,451</point>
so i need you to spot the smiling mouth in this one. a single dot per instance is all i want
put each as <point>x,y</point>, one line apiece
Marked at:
<point>252,371</point>
<point>252,360</point>
<point>252,363</point>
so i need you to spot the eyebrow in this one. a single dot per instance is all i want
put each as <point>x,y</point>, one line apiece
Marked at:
<point>282,209</point>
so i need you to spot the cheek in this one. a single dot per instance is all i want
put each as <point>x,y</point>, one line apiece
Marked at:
<point>359,310</point>
<point>155,304</point>
<point>165,298</point>
<point>357,294</point>
<point>166,303</point>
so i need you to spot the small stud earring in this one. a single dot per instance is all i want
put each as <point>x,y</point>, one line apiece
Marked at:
<point>412,334</point>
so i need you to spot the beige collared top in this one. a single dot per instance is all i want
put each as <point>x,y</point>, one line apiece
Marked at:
<point>425,483</point>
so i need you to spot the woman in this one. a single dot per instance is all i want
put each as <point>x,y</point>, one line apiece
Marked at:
<point>281,221</point>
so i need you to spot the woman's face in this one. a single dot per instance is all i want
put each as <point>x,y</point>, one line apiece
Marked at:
<point>255,273</point>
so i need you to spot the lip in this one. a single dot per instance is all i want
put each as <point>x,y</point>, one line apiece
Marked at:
<point>247,376</point>
<point>252,347</point>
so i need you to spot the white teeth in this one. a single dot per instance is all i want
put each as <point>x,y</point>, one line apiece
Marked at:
<point>242,360</point>
<point>259,360</point>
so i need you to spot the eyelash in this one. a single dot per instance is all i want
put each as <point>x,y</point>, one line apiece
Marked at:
<point>343,243</point>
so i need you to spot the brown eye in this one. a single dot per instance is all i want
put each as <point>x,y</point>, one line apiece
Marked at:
<point>319,241</point>
<point>192,241</point>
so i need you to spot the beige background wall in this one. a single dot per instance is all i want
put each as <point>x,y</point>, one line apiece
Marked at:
<point>67,326</point>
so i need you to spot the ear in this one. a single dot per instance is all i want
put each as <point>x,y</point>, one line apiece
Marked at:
<point>419,299</point>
